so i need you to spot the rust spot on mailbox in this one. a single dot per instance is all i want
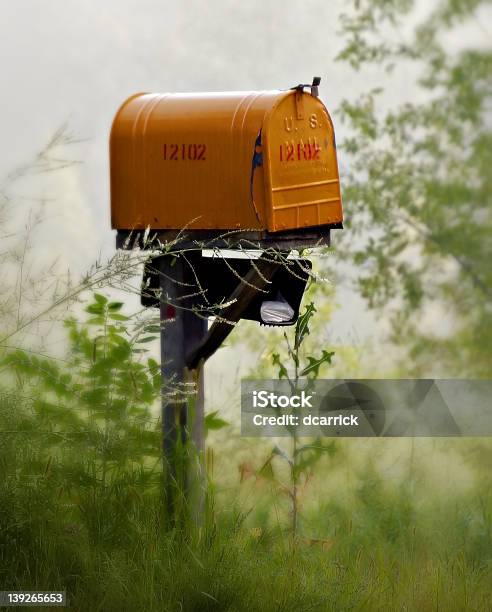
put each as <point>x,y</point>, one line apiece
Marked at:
<point>262,161</point>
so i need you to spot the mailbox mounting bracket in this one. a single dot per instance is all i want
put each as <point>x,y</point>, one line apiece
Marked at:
<point>256,280</point>
<point>227,239</point>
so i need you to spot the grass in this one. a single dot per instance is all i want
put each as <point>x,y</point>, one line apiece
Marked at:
<point>381,548</point>
<point>81,503</point>
<point>234,569</point>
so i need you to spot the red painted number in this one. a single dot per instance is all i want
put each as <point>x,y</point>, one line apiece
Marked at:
<point>184,152</point>
<point>201,148</point>
<point>300,151</point>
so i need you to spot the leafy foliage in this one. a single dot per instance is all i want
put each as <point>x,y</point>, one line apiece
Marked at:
<point>303,459</point>
<point>418,193</point>
<point>91,416</point>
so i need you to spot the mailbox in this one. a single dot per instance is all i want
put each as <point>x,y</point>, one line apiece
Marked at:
<point>260,162</point>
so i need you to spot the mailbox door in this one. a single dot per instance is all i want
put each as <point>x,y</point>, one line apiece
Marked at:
<point>302,182</point>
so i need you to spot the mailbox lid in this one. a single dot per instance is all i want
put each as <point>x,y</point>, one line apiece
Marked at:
<point>301,169</point>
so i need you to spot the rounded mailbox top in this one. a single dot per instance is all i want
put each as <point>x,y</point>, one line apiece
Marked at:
<point>262,161</point>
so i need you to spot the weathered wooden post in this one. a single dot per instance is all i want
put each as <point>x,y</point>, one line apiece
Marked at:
<point>182,390</point>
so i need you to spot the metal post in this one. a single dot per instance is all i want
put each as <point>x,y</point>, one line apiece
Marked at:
<point>182,390</point>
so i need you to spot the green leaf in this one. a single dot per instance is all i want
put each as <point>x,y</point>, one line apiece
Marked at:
<point>153,366</point>
<point>302,325</point>
<point>118,317</point>
<point>315,363</point>
<point>113,306</point>
<point>100,299</point>
<point>213,423</point>
<point>96,309</point>
<point>277,451</point>
<point>282,370</point>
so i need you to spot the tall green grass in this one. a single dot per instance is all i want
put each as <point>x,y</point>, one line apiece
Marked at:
<point>81,505</point>
<point>108,546</point>
<point>382,553</point>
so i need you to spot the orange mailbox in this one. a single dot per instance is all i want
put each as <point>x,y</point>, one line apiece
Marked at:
<point>260,162</point>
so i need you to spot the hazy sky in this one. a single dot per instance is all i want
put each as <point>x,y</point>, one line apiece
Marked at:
<point>77,60</point>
